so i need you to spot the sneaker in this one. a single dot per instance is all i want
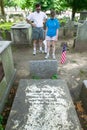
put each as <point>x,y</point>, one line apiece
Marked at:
<point>47,56</point>
<point>34,52</point>
<point>54,57</point>
<point>45,52</point>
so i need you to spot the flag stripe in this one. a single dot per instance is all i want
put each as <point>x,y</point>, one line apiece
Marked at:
<point>63,56</point>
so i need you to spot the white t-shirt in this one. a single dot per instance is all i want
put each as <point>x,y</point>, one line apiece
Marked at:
<point>37,18</point>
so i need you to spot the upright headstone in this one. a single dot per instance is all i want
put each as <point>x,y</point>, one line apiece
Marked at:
<point>67,31</point>
<point>83,94</point>
<point>43,68</point>
<point>83,16</point>
<point>81,39</point>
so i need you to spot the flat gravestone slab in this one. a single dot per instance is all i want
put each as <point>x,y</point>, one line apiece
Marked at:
<point>43,68</point>
<point>43,105</point>
<point>4,45</point>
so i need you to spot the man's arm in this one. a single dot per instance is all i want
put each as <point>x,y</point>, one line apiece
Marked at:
<point>30,22</point>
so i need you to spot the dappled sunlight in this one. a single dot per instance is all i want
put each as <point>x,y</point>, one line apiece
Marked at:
<point>74,61</point>
<point>70,66</point>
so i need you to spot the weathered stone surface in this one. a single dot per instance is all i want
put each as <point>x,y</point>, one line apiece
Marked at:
<point>4,45</point>
<point>7,71</point>
<point>43,68</point>
<point>43,105</point>
<point>21,33</point>
<point>83,94</point>
<point>81,39</point>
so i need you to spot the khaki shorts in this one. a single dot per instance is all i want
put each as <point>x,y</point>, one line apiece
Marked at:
<point>37,33</point>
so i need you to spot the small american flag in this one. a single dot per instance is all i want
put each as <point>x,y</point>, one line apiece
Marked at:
<point>63,56</point>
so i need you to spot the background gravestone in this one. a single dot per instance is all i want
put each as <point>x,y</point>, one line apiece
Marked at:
<point>21,33</point>
<point>81,39</point>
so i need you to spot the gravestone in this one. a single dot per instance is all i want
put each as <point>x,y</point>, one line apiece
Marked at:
<point>83,94</point>
<point>67,31</point>
<point>81,39</point>
<point>7,71</point>
<point>43,68</point>
<point>21,33</point>
<point>43,105</point>
<point>83,16</point>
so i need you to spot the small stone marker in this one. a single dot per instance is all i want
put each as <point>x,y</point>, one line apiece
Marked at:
<point>43,105</point>
<point>43,68</point>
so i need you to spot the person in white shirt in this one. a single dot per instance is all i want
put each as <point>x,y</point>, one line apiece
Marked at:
<point>37,19</point>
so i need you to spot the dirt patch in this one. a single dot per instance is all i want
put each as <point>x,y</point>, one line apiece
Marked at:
<point>74,71</point>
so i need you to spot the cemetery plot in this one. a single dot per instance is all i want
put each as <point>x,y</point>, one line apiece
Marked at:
<point>43,105</point>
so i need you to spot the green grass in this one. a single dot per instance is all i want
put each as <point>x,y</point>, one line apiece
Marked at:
<point>55,76</point>
<point>83,73</point>
<point>36,77</point>
<point>73,61</point>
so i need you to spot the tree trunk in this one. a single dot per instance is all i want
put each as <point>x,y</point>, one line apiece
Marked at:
<point>2,7</point>
<point>73,14</point>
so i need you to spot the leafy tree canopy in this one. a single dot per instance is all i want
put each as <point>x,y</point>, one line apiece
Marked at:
<point>58,5</point>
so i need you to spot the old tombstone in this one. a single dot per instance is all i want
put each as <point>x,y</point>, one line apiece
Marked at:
<point>21,33</point>
<point>43,68</point>
<point>81,39</point>
<point>43,105</point>
<point>83,94</point>
<point>83,16</point>
<point>7,71</point>
<point>68,31</point>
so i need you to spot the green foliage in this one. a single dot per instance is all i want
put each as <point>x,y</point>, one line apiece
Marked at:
<point>3,34</point>
<point>46,5</point>
<point>62,21</point>
<point>58,5</point>
<point>1,120</point>
<point>55,76</point>
<point>6,26</point>
<point>29,4</point>
<point>82,72</point>
<point>35,77</point>
<point>1,127</point>
<point>76,5</point>
<point>9,3</point>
